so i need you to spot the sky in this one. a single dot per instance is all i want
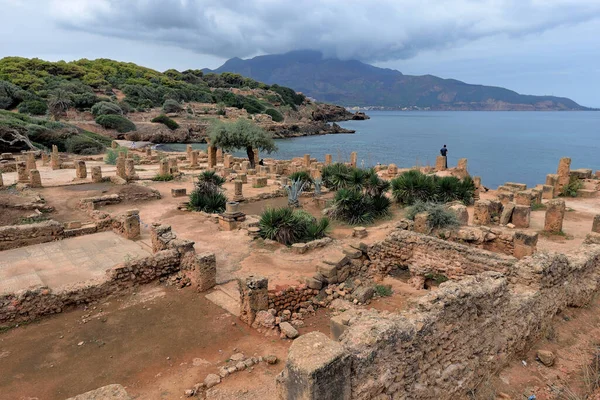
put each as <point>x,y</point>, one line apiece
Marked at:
<point>542,47</point>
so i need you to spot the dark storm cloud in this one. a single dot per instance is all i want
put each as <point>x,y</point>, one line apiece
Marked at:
<point>367,30</point>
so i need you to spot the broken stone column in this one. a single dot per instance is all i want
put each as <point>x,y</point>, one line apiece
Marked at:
<point>130,169</point>
<point>555,213</point>
<point>521,217</point>
<point>595,224</point>
<point>212,156</point>
<point>1,180</point>
<point>547,192</point>
<point>462,164</point>
<point>440,163</point>
<point>45,158</point>
<point>205,271</point>
<point>353,159</point>
<point>256,156</point>
<point>328,159</point>
<point>55,158</point>
<point>121,168</point>
<point>523,198</point>
<point>35,180</point>
<point>316,368</point>
<point>163,167</point>
<point>80,169</point>
<point>245,166</point>
<point>193,158</point>
<point>97,174</point>
<point>243,178</point>
<point>238,196</point>
<point>188,150</point>
<point>563,172</point>
<point>481,212</point>
<point>22,174</point>
<point>149,151</point>
<point>254,297</point>
<point>228,161</point>
<point>422,222</point>
<point>552,180</point>
<point>307,160</point>
<point>461,213</point>
<point>31,161</point>
<point>259,182</point>
<point>131,225</point>
<point>525,244</point>
<point>219,156</point>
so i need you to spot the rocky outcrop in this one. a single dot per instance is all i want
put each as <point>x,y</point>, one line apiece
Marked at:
<point>331,113</point>
<point>304,129</point>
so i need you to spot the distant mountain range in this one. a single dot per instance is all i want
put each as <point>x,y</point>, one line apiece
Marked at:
<point>354,83</point>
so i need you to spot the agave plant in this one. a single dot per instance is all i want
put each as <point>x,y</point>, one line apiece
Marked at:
<point>294,191</point>
<point>303,176</point>
<point>317,183</point>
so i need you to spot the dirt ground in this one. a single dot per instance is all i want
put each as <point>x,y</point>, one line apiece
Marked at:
<point>157,343</point>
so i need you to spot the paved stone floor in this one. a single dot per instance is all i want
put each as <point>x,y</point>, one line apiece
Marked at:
<point>66,261</point>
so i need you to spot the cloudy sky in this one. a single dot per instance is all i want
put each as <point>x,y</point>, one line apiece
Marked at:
<point>531,46</point>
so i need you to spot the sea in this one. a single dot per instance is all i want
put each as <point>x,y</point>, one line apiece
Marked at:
<point>501,146</point>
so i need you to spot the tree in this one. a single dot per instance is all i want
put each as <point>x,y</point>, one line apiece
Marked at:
<point>59,103</point>
<point>241,134</point>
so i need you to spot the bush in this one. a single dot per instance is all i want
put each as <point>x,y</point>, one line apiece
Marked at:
<point>163,178</point>
<point>168,122</point>
<point>106,108</point>
<point>84,101</point>
<point>207,202</point>
<point>172,106</point>
<point>302,176</point>
<point>383,290</point>
<point>113,154</point>
<point>570,190</point>
<point>81,144</point>
<point>336,176</point>
<point>352,207</point>
<point>413,186</point>
<point>118,122</point>
<point>33,107</point>
<point>10,95</point>
<point>275,115</point>
<point>439,216</point>
<point>289,226</point>
<point>209,181</point>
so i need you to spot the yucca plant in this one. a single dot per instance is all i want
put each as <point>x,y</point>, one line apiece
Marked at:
<point>289,226</point>
<point>303,176</point>
<point>352,207</point>
<point>209,181</point>
<point>336,176</point>
<point>213,202</point>
<point>446,188</point>
<point>374,185</point>
<point>412,186</point>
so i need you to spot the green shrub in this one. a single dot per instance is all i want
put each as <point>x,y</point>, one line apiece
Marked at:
<point>84,101</point>
<point>437,278</point>
<point>209,181</point>
<point>10,95</point>
<point>118,122</point>
<point>352,207</point>
<point>106,108</point>
<point>570,190</point>
<point>33,107</point>
<point>213,202</point>
<point>413,186</point>
<point>163,178</point>
<point>336,176</point>
<point>439,216</point>
<point>106,141</point>
<point>383,290</point>
<point>288,226</point>
<point>172,106</point>
<point>275,115</point>
<point>113,154</point>
<point>252,105</point>
<point>168,122</point>
<point>81,144</point>
<point>302,176</point>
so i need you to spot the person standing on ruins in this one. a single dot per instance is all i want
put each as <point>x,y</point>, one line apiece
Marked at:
<point>444,151</point>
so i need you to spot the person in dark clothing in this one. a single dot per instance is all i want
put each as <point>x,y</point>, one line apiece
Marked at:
<point>261,162</point>
<point>444,151</point>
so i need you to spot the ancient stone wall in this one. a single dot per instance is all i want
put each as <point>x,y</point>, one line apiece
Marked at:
<point>424,255</point>
<point>14,236</point>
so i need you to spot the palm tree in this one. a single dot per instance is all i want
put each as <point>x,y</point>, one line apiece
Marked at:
<point>58,103</point>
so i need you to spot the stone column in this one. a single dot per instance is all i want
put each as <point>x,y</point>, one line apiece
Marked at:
<point>521,217</point>
<point>525,244</point>
<point>254,297</point>
<point>121,168</point>
<point>243,178</point>
<point>245,166</point>
<point>131,225</point>
<point>328,159</point>
<point>353,159</point>
<point>256,156</point>
<point>227,160</point>
<point>45,158</point>
<point>55,158</point>
<point>462,164</point>
<point>219,156</point>
<point>481,213</point>
<point>555,213</point>
<point>31,161</point>
<point>173,166</point>
<point>552,180</point>
<point>595,224</point>
<point>547,192</point>
<point>80,169</point>
<point>188,150</point>
<point>35,180</point>
<point>163,168</point>
<point>316,368</point>
<point>212,157</point>
<point>22,174</point>
<point>563,171</point>
<point>194,158</point>
<point>149,151</point>
<point>205,271</point>
<point>307,160</point>
<point>440,163</point>
<point>130,169</point>
<point>238,196</point>
<point>97,174</point>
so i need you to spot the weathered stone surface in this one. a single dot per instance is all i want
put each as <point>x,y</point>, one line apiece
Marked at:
<point>481,213</point>
<point>422,222</point>
<point>254,297</point>
<point>563,172</point>
<point>289,331</point>
<point>80,169</point>
<point>337,260</point>
<point>178,192</point>
<point>440,163</point>
<point>507,213</point>
<point>596,224</point>
<point>314,284</point>
<point>581,173</point>
<point>555,214</point>
<point>546,357</point>
<point>461,213</point>
<point>35,180</point>
<point>363,293</point>
<point>97,174</point>
<point>317,368</point>
<point>547,192</point>
<point>212,380</point>
<point>525,244</point>
<point>110,392</point>
<point>521,216</point>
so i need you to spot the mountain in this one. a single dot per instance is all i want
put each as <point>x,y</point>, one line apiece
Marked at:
<point>354,83</point>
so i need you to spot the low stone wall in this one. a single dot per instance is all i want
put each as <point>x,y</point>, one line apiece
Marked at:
<point>14,236</point>
<point>459,334</point>
<point>292,299</point>
<point>426,255</point>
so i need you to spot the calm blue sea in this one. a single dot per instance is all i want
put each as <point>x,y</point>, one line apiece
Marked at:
<point>500,146</point>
